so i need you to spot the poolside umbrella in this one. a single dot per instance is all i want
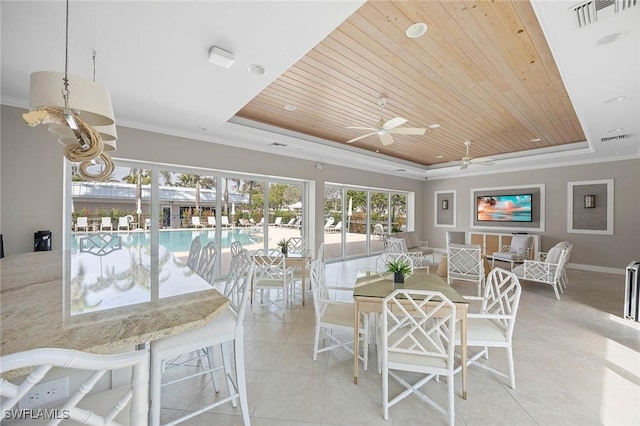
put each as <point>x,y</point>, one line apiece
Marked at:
<point>233,209</point>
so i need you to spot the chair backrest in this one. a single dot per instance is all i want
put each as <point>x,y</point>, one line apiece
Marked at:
<point>378,229</point>
<point>396,245</point>
<point>464,261</point>
<point>106,221</point>
<point>195,220</point>
<point>236,247</point>
<point>501,299</point>
<point>278,220</point>
<point>383,259</point>
<point>135,392</point>
<point>211,220</point>
<point>329,222</point>
<point>207,262</point>
<point>123,221</point>
<point>418,323</point>
<point>82,221</point>
<point>194,254</point>
<point>291,221</point>
<point>456,237</point>
<point>224,220</point>
<point>319,288</point>
<point>239,282</point>
<point>338,225</point>
<point>297,246</point>
<point>269,266</point>
<point>320,253</point>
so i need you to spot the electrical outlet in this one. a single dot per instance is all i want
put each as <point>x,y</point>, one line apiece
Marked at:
<point>46,392</point>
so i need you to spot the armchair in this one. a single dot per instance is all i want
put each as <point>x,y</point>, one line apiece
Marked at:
<point>519,250</point>
<point>548,271</point>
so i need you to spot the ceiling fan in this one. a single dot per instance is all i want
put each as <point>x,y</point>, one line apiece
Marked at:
<point>467,159</point>
<point>384,129</point>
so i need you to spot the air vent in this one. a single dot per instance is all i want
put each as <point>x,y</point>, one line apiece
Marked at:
<point>615,138</point>
<point>278,144</point>
<point>592,11</point>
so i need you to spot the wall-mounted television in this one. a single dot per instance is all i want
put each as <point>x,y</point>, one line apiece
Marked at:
<point>504,208</point>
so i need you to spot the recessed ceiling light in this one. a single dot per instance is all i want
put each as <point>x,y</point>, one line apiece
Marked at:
<point>417,30</point>
<point>257,69</point>
<point>434,126</point>
<point>619,129</point>
<point>535,140</point>
<point>616,99</point>
<point>377,150</point>
<point>611,38</point>
<point>290,107</point>
<point>439,156</point>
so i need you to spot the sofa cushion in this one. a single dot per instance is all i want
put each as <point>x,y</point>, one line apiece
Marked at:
<point>554,255</point>
<point>412,240</point>
<point>520,242</point>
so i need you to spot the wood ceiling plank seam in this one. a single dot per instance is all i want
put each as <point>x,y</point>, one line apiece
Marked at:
<point>538,84</point>
<point>538,40</point>
<point>519,100</point>
<point>448,100</point>
<point>370,30</point>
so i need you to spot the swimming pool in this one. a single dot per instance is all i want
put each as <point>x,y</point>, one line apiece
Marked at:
<point>177,240</point>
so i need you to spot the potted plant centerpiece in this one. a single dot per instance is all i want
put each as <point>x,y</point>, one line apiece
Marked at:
<point>284,246</point>
<point>400,268</point>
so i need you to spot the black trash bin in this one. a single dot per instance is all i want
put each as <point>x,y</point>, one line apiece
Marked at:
<point>42,241</point>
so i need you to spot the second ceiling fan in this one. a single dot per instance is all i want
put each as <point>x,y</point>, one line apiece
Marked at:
<point>385,129</point>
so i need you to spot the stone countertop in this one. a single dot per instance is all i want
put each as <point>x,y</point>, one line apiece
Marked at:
<point>32,311</point>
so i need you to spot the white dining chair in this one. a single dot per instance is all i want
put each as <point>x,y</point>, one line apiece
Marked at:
<point>193,258</point>
<point>126,404</point>
<point>417,334</point>
<point>464,263</point>
<point>226,331</point>
<point>492,326</point>
<point>550,271</point>
<point>271,273</point>
<point>331,316</point>
<point>207,262</point>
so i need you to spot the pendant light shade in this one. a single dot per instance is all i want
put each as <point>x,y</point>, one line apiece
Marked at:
<point>89,100</point>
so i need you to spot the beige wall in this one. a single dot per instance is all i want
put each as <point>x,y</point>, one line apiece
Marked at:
<point>607,251</point>
<point>32,174</point>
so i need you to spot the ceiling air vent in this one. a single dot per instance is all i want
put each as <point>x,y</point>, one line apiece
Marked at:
<point>592,11</point>
<point>615,138</point>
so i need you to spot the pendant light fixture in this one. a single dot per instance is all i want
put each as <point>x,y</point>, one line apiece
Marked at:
<point>79,112</point>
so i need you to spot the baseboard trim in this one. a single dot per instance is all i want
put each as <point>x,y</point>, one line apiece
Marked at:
<point>592,268</point>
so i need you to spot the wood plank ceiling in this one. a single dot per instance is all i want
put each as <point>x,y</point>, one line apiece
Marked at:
<point>483,72</point>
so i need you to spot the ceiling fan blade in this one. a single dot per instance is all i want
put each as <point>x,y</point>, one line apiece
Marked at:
<point>361,137</point>
<point>394,122</point>
<point>464,166</point>
<point>408,131</point>
<point>386,139</point>
<point>362,128</point>
<point>481,160</point>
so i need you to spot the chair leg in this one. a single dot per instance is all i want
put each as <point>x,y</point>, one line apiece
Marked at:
<point>512,374</point>
<point>451,395</point>
<point>385,393</point>
<point>241,380</point>
<point>226,360</point>
<point>316,339</point>
<point>210,357</point>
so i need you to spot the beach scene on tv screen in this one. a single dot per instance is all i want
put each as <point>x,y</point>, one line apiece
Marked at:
<point>504,208</point>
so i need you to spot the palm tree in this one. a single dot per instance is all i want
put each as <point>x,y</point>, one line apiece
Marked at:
<point>195,181</point>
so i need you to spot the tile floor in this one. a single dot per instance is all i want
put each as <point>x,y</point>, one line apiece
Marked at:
<point>577,363</point>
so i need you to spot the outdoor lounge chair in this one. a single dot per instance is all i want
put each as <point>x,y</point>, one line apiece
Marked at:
<point>224,222</point>
<point>123,222</point>
<point>328,223</point>
<point>211,221</point>
<point>336,228</point>
<point>106,223</point>
<point>278,221</point>
<point>82,223</point>
<point>195,222</point>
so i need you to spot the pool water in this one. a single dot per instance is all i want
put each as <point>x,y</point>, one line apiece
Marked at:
<point>180,240</point>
